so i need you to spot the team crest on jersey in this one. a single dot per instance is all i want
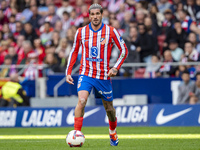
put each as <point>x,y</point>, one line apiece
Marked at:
<point>94,51</point>
<point>121,40</point>
<point>103,41</point>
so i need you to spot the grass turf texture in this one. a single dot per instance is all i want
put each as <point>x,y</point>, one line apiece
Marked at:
<point>130,138</point>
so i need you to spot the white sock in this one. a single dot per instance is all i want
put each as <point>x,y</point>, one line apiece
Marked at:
<point>112,131</point>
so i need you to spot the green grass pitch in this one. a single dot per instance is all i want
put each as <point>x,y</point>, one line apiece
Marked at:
<point>130,138</point>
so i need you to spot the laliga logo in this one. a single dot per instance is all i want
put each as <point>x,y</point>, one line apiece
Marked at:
<point>8,118</point>
<point>42,118</point>
<point>131,114</point>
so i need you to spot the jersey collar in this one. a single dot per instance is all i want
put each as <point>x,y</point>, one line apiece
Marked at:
<point>98,29</point>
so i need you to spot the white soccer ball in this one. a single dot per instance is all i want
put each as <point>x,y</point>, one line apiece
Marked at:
<point>75,138</point>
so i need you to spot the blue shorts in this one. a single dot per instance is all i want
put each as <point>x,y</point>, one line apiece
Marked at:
<point>102,87</point>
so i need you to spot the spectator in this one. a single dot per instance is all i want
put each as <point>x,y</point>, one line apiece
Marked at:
<point>192,37</point>
<point>186,21</point>
<point>70,36</point>
<point>191,8</point>
<point>34,20</point>
<point>20,40</point>
<point>86,20</point>
<point>114,5</point>
<point>63,50</point>
<point>132,44</point>
<point>34,69</point>
<point>23,53</point>
<point>140,15</point>
<point>47,35</point>
<point>29,32</point>
<point>6,31</point>
<point>66,21</point>
<point>12,53</point>
<point>168,21</point>
<point>145,44</point>
<point>105,18</point>
<point>79,4</point>
<point>125,22</point>
<point>167,69</point>
<point>13,94</point>
<point>156,16</point>
<point>185,89</point>
<point>58,27</point>
<point>19,27</point>
<point>3,19</point>
<point>176,51</point>
<point>190,54</point>
<point>53,66</point>
<point>163,5</point>
<point>39,50</point>
<point>12,23</point>
<point>3,50</point>
<point>196,100</point>
<point>51,17</point>
<point>26,14</point>
<point>174,5</point>
<point>152,67</point>
<point>120,14</point>
<point>151,28</point>
<point>180,70</point>
<point>4,73</point>
<point>6,9</point>
<point>66,7</point>
<point>55,39</point>
<point>177,33</point>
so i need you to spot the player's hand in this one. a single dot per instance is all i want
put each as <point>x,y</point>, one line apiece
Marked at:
<point>112,72</point>
<point>69,79</point>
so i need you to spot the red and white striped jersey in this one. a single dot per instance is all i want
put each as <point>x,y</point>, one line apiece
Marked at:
<point>96,51</point>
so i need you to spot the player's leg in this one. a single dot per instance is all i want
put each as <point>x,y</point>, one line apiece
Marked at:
<point>79,110</point>
<point>104,88</point>
<point>110,111</point>
<point>83,88</point>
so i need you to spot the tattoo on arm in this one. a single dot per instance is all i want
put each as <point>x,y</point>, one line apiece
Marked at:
<point>114,71</point>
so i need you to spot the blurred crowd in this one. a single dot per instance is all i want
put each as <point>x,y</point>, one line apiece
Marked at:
<point>42,32</point>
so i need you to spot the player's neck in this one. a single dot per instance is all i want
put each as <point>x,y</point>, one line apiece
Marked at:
<point>95,28</point>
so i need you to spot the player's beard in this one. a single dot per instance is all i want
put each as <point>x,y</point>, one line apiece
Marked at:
<point>96,24</point>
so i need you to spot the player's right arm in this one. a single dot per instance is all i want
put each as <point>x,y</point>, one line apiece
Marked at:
<point>72,57</point>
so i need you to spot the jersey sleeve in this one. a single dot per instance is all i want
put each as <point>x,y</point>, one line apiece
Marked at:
<point>121,46</point>
<point>73,53</point>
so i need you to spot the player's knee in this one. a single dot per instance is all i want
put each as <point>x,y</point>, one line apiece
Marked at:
<point>82,102</point>
<point>110,109</point>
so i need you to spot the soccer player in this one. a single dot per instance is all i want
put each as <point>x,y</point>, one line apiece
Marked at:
<point>96,40</point>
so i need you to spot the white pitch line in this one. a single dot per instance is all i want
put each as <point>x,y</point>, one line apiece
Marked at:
<point>106,136</point>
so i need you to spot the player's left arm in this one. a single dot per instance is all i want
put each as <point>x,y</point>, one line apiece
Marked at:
<point>123,52</point>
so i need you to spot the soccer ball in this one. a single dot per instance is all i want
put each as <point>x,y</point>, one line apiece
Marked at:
<point>75,138</point>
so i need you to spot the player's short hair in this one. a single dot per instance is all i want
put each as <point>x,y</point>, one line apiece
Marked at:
<point>96,6</point>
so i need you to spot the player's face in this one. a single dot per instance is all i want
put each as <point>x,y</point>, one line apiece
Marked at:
<point>95,17</point>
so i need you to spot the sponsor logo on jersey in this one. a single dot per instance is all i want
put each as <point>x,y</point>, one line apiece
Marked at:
<point>131,114</point>
<point>94,59</point>
<point>39,118</point>
<point>161,119</point>
<point>94,51</point>
<point>103,92</point>
<point>8,118</point>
